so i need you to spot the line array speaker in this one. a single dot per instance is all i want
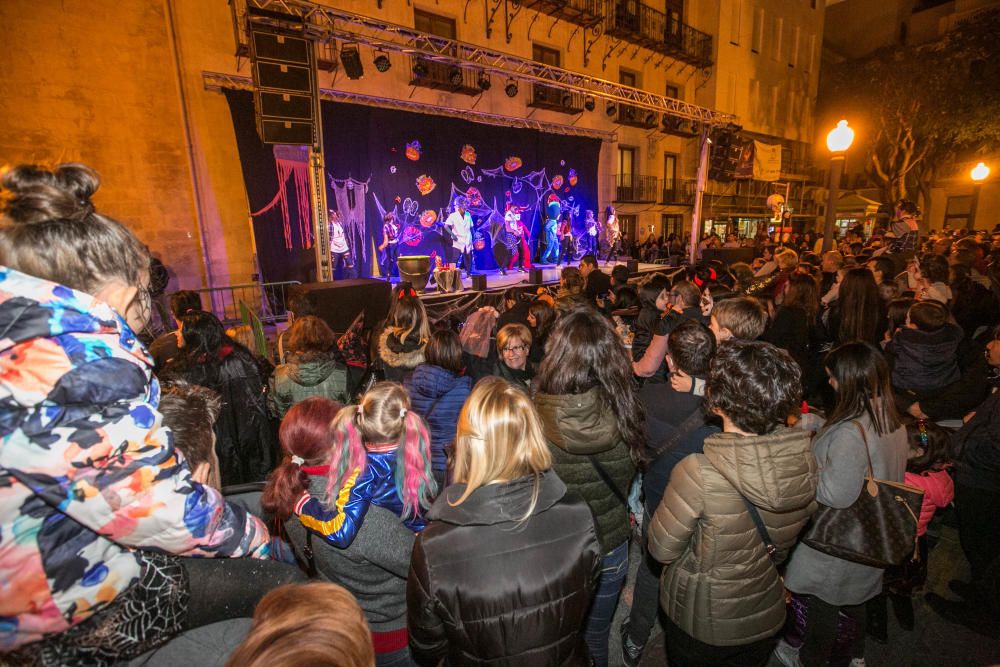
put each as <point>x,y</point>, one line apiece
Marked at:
<point>284,86</point>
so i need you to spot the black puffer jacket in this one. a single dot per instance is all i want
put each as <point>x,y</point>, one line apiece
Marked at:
<point>399,358</point>
<point>578,427</point>
<point>486,589</point>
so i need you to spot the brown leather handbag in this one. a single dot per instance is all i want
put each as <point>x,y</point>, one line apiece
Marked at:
<point>879,529</point>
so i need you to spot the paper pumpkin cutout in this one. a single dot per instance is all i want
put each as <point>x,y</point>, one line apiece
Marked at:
<point>413,150</point>
<point>572,177</point>
<point>557,181</point>
<point>425,184</point>
<point>468,154</point>
<point>512,163</point>
<point>428,218</point>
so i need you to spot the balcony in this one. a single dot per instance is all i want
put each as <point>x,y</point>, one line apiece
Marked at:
<point>554,99</point>
<point>586,13</point>
<point>443,76</point>
<point>635,189</point>
<point>636,117</point>
<point>678,192</point>
<point>641,24</point>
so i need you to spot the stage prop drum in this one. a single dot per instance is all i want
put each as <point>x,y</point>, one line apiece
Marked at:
<point>415,268</point>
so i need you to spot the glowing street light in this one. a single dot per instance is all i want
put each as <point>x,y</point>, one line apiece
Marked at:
<point>978,174</point>
<point>838,141</point>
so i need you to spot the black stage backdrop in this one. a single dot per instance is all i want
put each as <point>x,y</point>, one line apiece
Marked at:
<point>375,146</point>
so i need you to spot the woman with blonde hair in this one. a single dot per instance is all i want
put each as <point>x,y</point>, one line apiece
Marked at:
<point>401,345</point>
<point>470,599</point>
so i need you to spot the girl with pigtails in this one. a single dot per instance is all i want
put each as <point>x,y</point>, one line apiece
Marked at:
<point>381,455</point>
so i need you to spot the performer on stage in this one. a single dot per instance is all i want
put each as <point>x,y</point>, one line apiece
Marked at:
<point>567,244</point>
<point>612,234</point>
<point>512,236</point>
<point>551,254</point>
<point>591,229</point>
<point>340,253</point>
<point>460,224</point>
<point>390,244</point>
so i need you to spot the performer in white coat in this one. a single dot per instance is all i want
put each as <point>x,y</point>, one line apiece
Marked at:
<point>460,224</point>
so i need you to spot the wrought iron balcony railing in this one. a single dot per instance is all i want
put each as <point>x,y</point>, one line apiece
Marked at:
<point>639,23</point>
<point>633,188</point>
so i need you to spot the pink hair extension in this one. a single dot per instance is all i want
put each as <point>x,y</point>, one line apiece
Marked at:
<point>414,481</point>
<point>346,438</point>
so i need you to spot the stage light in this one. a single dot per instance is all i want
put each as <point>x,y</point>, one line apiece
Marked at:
<point>611,109</point>
<point>419,69</point>
<point>483,81</point>
<point>567,100</point>
<point>455,76</point>
<point>650,119</point>
<point>511,88</point>
<point>589,103</point>
<point>382,62</point>
<point>350,58</point>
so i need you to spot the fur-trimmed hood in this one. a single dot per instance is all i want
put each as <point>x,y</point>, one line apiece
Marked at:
<point>400,354</point>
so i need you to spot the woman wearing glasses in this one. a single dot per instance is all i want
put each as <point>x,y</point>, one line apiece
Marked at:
<point>513,346</point>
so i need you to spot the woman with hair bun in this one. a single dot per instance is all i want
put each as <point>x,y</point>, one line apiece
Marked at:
<point>373,566</point>
<point>504,572</point>
<point>381,456</point>
<point>94,500</point>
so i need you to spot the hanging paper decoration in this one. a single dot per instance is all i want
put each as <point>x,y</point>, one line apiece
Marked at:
<point>412,235</point>
<point>512,163</point>
<point>562,163</point>
<point>428,218</point>
<point>565,189</point>
<point>557,181</point>
<point>410,207</point>
<point>468,154</point>
<point>479,179</point>
<point>516,185</point>
<point>473,198</point>
<point>392,169</point>
<point>468,175</point>
<point>413,150</point>
<point>292,164</point>
<point>425,184</point>
<point>572,177</point>
<point>396,199</point>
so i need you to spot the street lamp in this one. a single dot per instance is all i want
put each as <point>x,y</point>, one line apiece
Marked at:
<point>978,174</point>
<point>838,141</point>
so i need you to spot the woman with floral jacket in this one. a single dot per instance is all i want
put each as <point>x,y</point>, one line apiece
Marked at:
<point>93,496</point>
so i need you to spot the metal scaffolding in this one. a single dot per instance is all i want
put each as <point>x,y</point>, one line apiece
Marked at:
<point>218,81</point>
<point>326,23</point>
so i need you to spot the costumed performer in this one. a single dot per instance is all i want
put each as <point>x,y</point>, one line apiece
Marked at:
<point>390,244</point>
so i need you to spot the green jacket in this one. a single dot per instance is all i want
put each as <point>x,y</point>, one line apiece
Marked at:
<point>296,381</point>
<point>578,427</point>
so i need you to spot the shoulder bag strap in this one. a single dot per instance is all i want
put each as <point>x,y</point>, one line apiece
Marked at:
<point>606,478</point>
<point>689,425</point>
<point>772,551</point>
<point>864,438</point>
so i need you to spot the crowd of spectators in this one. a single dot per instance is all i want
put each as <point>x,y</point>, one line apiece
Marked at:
<point>470,495</point>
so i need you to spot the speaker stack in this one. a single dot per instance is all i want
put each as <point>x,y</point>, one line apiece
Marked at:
<point>284,86</point>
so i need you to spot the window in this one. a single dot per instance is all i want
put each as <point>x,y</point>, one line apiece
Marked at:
<point>442,26</point>
<point>627,78</point>
<point>779,24</point>
<point>758,31</point>
<point>810,53</point>
<point>669,178</point>
<point>736,25</point>
<point>627,225</point>
<point>957,210</point>
<point>675,15</point>
<point>672,223</point>
<point>545,55</point>
<point>672,91</point>
<point>626,165</point>
<point>773,111</point>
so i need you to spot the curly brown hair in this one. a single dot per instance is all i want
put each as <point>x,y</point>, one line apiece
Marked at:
<point>755,384</point>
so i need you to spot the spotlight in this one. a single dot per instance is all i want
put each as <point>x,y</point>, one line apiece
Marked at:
<point>567,100</point>
<point>382,62</point>
<point>589,103</point>
<point>650,119</point>
<point>511,88</point>
<point>350,58</point>
<point>611,109</point>
<point>455,76</point>
<point>483,81</point>
<point>419,69</point>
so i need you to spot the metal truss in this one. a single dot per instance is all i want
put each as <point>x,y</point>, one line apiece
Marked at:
<point>218,81</point>
<point>326,22</point>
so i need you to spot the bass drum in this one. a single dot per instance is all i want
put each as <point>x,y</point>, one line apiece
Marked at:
<point>482,250</point>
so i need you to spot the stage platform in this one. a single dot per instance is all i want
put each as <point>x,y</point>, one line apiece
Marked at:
<point>497,282</point>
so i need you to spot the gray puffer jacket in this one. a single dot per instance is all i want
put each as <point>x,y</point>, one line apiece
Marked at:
<point>296,381</point>
<point>579,427</point>
<point>720,586</point>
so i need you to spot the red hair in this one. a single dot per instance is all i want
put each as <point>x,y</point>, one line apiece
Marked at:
<point>306,432</point>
